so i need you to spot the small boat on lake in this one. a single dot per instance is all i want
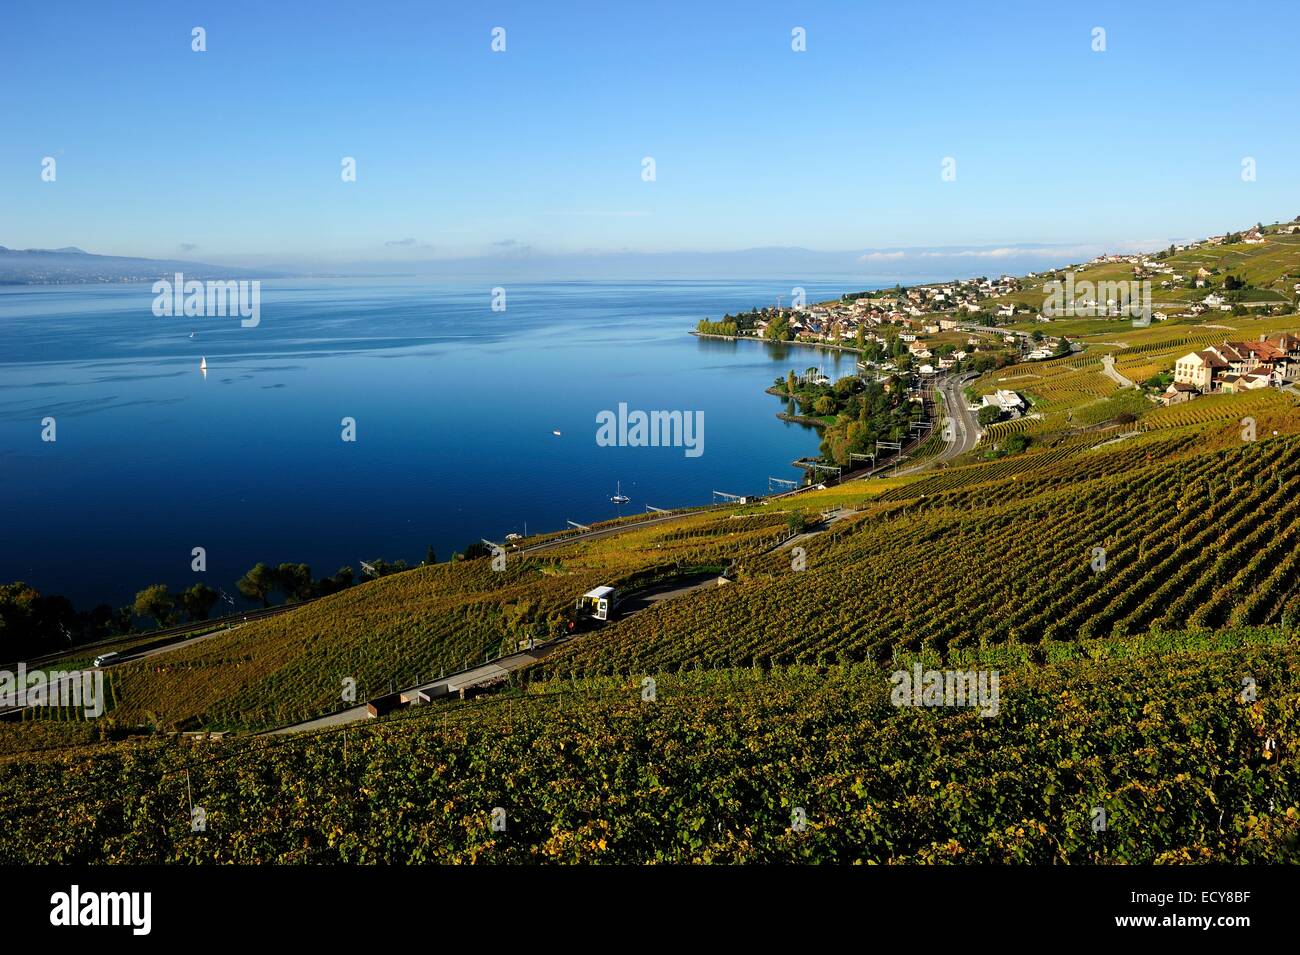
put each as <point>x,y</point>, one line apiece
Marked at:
<point>619,497</point>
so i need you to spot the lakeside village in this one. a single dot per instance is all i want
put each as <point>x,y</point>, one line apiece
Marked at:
<point>910,335</point>
<point>904,338</point>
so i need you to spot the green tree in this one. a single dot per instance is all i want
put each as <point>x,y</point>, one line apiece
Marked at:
<point>343,579</point>
<point>429,556</point>
<point>197,602</point>
<point>988,415</point>
<point>258,583</point>
<point>294,581</point>
<point>155,601</point>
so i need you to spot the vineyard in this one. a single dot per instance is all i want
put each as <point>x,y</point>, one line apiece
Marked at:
<point>1062,387</point>
<point>1003,547</point>
<point>1003,553</point>
<point>788,765</point>
<point>407,628</point>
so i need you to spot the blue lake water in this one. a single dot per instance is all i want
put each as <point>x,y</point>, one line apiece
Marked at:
<point>454,405</point>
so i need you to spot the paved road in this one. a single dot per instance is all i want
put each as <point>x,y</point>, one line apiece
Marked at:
<point>501,667</point>
<point>965,429</point>
<point>1108,369</point>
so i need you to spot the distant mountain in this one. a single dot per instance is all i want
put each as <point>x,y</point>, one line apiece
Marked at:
<point>70,265</point>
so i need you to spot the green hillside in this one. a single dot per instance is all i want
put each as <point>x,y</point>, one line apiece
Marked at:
<point>792,765</point>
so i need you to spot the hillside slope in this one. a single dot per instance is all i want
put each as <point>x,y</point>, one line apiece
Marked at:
<point>794,765</point>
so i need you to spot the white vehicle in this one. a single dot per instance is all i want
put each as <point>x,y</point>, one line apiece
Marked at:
<point>599,603</point>
<point>106,658</point>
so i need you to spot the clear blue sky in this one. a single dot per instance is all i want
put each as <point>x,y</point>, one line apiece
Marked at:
<point>236,152</point>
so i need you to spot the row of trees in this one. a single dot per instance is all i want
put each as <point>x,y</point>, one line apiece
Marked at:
<point>32,623</point>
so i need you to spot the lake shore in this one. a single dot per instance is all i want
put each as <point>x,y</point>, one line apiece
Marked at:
<point>827,346</point>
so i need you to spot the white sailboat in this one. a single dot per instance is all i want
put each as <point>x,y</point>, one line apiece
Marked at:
<point>203,366</point>
<point>619,497</point>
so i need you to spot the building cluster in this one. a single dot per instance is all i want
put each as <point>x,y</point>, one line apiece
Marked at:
<point>1235,367</point>
<point>923,310</point>
<point>1007,402</point>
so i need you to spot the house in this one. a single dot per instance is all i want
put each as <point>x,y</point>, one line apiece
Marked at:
<point>1007,402</point>
<point>1232,384</point>
<point>1177,393</point>
<point>1198,370</point>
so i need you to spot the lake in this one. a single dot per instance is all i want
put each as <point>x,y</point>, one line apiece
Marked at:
<point>454,405</point>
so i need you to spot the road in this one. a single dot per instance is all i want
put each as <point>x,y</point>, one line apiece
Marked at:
<point>503,666</point>
<point>1108,369</point>
<point>965,429</point>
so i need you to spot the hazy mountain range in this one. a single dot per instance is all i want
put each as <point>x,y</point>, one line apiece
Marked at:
<point>519,262</point>
<point>71,265</point>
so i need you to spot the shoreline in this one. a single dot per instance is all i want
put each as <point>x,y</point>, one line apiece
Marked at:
<point>763,341</point>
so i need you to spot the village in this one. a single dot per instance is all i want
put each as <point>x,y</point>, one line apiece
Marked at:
<point>1234,367</point>
<point>927,329</point>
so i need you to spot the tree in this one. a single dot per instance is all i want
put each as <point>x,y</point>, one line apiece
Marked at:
<point>429,556</point>
<point>258,583</point>
<point>790,383</point>
<point>294,581</point>
<point>343,579</point>
<point>123,620</point>
<point>155,601</point>
<point>988,415</point>
<point>17,612</point>
<point>197,602</point>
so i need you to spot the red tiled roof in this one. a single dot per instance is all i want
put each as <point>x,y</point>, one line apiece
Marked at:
<point>1211,359</point>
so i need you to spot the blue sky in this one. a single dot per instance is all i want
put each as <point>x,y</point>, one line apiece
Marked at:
<point>234,154</point>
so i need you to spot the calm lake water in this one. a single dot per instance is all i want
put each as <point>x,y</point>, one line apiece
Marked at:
<point>454,404</point>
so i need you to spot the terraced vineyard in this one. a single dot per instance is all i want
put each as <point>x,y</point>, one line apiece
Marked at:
<point>793,765</point>
<point>1063,384</point>
<point>409,627</point>
<point>1008,552</point>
